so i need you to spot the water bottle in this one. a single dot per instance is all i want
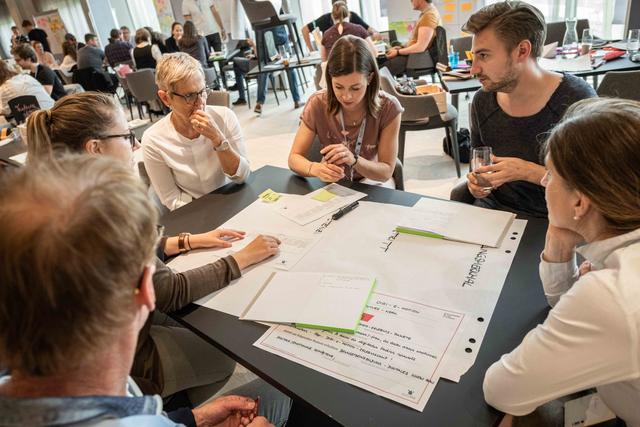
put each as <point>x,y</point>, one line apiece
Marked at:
<point>570,40</point>
<point>453,58</point>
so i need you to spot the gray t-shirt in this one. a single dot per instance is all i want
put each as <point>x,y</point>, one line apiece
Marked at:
<point>90,57</point>
<point>521,137</point>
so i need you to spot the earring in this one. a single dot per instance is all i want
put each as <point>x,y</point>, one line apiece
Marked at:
<point>136,291</point>
<point>576,218</point>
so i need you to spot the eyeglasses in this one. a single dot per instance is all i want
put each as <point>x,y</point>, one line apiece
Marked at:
<point>191,98</point>
<point>130,135</point>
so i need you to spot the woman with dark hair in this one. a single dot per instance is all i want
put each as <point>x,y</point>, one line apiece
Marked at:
<point>145,54</point>
<point>70,60</point>
<point>176,34</point>
<point>590,337</point>
<point>194,44</point>
<point>357,123</point>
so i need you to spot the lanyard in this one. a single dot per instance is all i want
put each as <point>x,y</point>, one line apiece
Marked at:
<point>358,141</point>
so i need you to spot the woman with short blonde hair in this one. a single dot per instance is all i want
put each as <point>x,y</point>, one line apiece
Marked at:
<point>197,147</point>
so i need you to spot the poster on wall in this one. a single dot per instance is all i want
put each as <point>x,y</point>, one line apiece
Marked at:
<point>454,13</point>
<point>51,23</point>
<point>165,15</point>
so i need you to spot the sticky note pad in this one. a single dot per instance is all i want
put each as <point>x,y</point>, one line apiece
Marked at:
<point>269,196</point>
<point>324,196</point>
<point>466,7</point>
<point>451,7</point>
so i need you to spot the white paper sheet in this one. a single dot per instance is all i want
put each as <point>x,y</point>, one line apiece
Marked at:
<point>457,221</point>
<point>396,352</point>
<point>310,299</point>
<point>305,209</point>
<point>570,65</point>
<point>20,158</point>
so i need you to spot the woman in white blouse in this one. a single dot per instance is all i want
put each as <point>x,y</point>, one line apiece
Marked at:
<point>591,337</point>
<point>196,148</point>
<point>14,84</point>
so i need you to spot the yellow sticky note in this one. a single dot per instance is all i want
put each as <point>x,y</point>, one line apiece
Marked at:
<point>269,196</point>
<point>324,196</point>
<point>451,7</point>
<point>447,19</point>
<point>466,7</point>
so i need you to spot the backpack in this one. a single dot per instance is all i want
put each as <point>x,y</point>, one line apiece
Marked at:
<point>464,145</point>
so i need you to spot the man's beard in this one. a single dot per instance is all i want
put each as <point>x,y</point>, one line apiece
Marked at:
<point>506,84</point>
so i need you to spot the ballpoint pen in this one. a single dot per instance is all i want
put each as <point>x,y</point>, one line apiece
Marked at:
<point>342,212</point>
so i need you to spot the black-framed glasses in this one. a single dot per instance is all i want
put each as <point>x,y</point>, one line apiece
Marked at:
<point>130,135</point>
<point>190,98</point>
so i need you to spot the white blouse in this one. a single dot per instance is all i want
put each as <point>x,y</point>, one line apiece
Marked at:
<point>182,169</point>
<point>20,85</point>
<point>591,337</point>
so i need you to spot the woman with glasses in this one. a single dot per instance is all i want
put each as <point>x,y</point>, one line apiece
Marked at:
<point>169,358</point>
<point>197,147</point>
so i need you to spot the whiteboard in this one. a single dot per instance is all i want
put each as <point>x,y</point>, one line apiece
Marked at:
<point>51,23</point>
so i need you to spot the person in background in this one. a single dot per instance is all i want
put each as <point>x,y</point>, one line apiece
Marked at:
<point>356,123</point>
<point>422,37</point>
<point>157,39</point>
<point>91,56</point>
<point>27,59</point>
<point>205,17</point>
<point>13,84</point>
<point>36,34</point>
<point>241,66</point>
<point>280,38</point>
<point>176,34</point>
<point>169,358</point>
<point>70,59</point>
<point>196,148</point>
<point>126,35</point>
<point>194,44</point>
<point>44,58</point>
<point>72,39</point>
<point>145,54</point>
<point>590,337</point>
<point>342,27</point>
<point>17,37</point>
<point>519,103</point>
<point>117,50</point>
<point>324,22</point>
<point>70,318</point>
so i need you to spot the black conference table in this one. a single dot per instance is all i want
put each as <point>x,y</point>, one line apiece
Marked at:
<point>456,87</point>
<point>520,308</point>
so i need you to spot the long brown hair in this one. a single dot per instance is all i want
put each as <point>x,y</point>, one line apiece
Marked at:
<point>190,35</point>
<point>596,150</point>
<point>350,54</point>
<point>71,122</point>
<point>339,12</point>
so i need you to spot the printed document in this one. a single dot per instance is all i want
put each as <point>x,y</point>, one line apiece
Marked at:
<point>396,352</point>
<point>312,300</point>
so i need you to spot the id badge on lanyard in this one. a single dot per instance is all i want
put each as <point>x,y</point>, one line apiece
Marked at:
<point>358,146</point>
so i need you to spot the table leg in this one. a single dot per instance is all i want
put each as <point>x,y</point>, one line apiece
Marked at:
<point>454,100</point>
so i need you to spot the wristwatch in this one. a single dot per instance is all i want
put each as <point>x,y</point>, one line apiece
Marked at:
<point>223,146</point>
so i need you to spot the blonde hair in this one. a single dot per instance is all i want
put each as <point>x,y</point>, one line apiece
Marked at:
<point>339,12</point>
<point>7,72</point>
<point>71,122</point>
<point>175,67</point>
<point>75,236</point>
<point>596,150</point>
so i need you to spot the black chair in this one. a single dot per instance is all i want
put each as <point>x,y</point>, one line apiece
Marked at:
<point>420,64</point>
<point>22,106</point>
<point>264,17</point>
<point>92,79</point>
<point>621,84</point>
<point>398,174</point>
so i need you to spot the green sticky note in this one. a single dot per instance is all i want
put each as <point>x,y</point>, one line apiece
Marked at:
<point>269,196</point>
<point>324,196</point>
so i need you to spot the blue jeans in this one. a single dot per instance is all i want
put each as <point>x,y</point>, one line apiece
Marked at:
<point>262,86</point>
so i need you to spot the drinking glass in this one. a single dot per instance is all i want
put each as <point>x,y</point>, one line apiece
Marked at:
<point>587,41</point>
<point>481,156</point>
<point>633,41</point>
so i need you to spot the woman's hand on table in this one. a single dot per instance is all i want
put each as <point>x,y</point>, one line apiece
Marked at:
<point>218,238</point>
<point>260,248</point>
<point>326,172</point>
